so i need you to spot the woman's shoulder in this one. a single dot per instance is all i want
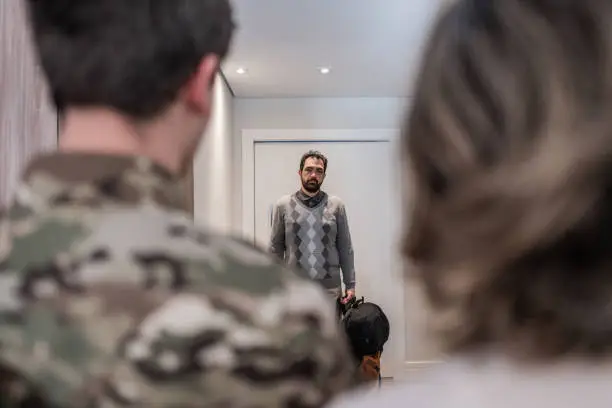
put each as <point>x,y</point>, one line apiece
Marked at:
<point>421,390</point>
<point>418,395</point>
<point>492,380</point>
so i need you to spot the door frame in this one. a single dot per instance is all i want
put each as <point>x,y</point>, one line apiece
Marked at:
<point>252,136</point>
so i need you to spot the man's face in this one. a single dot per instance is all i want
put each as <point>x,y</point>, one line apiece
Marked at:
<point>312,174</point>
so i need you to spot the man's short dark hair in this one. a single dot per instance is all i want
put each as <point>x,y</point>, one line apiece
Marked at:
<point>129,55</point>
<point>316,155</point>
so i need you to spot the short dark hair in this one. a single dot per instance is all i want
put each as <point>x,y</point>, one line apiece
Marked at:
<point>130,55</point>
<point>509,140</point>
<point>314,154</point>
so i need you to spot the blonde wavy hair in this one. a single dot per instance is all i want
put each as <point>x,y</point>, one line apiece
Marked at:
<point>509,141</point>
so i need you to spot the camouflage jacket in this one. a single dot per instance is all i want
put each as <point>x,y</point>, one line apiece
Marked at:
<point>111,297</point>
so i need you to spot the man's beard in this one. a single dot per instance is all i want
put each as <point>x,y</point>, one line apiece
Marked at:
<point>312,186</point>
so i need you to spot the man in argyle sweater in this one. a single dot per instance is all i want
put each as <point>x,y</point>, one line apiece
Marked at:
<point>310,231</point>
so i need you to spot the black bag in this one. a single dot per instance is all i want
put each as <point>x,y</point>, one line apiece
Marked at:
<point>367,327</point>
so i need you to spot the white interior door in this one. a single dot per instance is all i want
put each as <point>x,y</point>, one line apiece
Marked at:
<point>360,173</point>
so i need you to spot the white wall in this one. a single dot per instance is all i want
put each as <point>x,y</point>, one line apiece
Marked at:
<point>212,166</point>
<point>318,113</point>
<point>332,113</point>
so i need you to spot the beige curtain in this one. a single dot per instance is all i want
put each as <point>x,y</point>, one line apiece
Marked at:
<point>28,123</point>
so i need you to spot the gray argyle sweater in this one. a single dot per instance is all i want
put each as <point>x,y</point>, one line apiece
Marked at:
<point>312,234</point>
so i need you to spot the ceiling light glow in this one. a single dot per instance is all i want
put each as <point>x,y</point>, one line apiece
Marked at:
<point>324,70</point>
<point>241,71</point>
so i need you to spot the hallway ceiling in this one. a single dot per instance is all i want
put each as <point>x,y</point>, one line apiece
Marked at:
<point>371,47</point>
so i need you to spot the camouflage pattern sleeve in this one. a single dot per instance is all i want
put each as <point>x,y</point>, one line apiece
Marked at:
<point>137,308</point>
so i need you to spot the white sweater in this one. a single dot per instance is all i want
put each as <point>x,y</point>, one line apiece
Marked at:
<point>496,382</point>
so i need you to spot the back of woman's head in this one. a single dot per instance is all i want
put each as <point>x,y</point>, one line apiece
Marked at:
<point>509,141</point>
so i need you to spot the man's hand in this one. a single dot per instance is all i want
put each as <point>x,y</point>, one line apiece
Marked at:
<point>350,293</point>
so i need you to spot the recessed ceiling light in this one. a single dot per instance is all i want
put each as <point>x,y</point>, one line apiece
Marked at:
<point>241,71</point>
<point>324,70</point>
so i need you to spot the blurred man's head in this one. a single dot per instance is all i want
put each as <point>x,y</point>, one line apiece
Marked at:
<point>509,141</point>
<point>313,167</point>
<point>132,76</point>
